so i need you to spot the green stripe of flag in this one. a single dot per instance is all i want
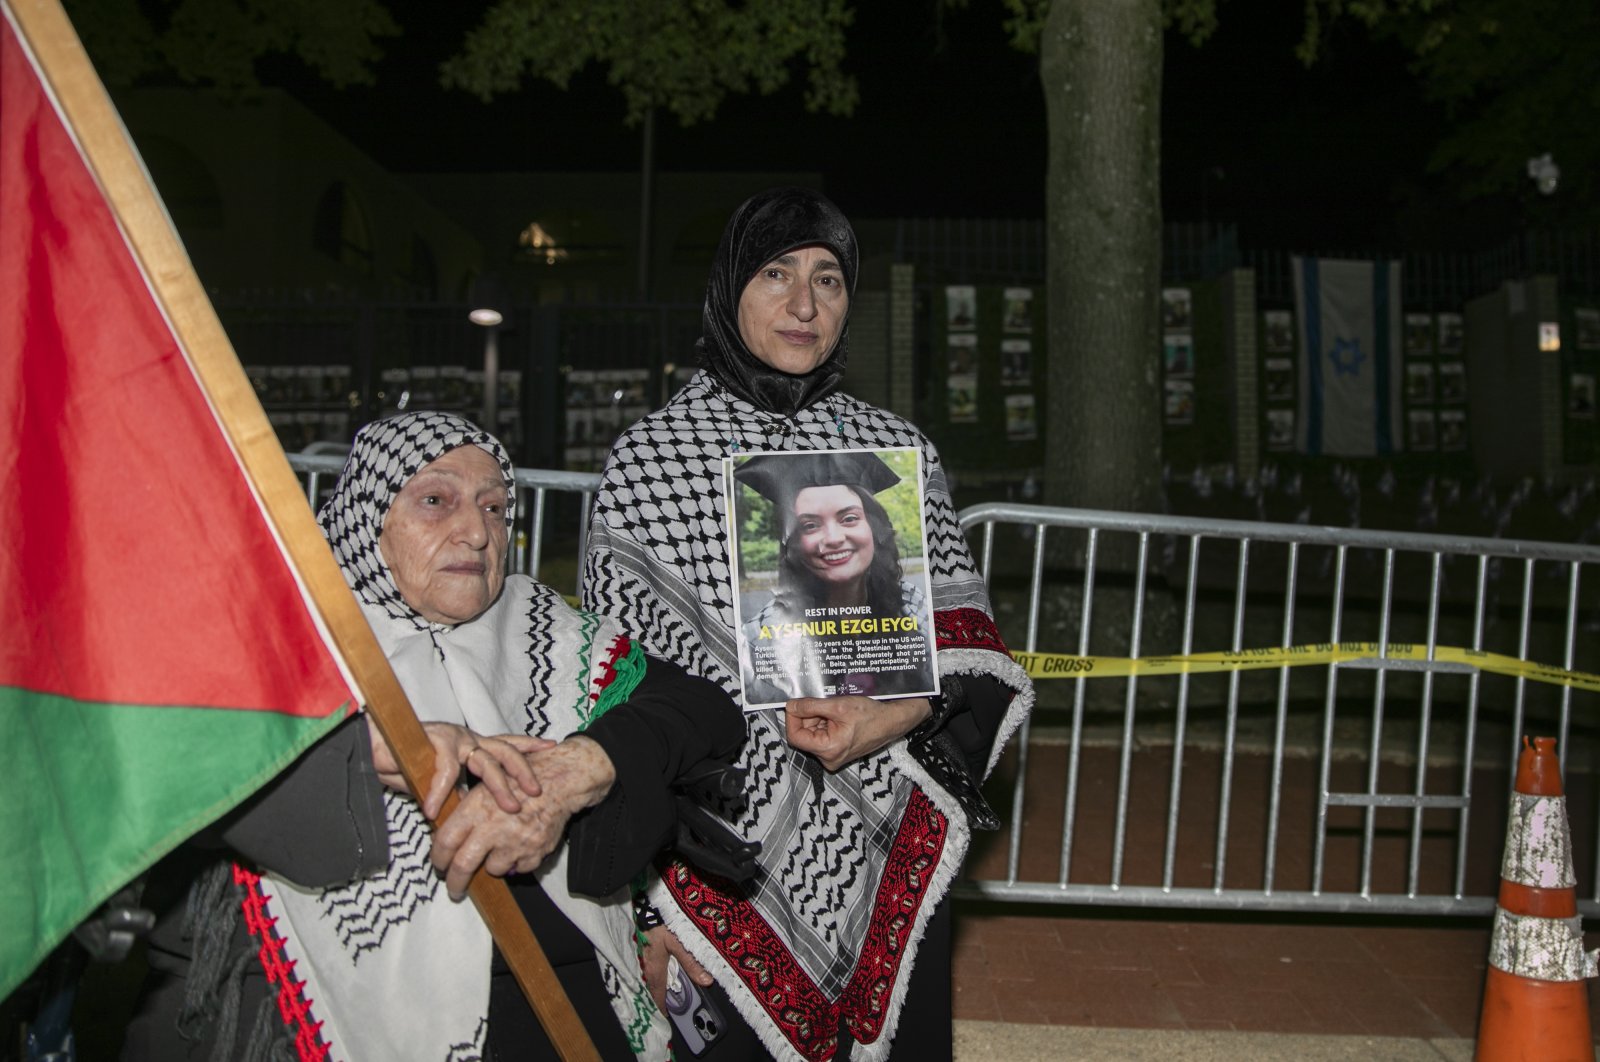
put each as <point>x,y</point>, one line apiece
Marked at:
<point>100,791</point>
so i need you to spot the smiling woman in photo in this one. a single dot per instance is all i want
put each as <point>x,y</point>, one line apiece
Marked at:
<point>836,551</point>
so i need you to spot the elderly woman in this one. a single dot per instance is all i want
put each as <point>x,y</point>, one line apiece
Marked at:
<point>841,945</point>
<point>362,945</point>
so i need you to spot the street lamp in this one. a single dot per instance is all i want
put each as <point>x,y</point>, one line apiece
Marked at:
<point>487,300</point>
<point>489,319</point>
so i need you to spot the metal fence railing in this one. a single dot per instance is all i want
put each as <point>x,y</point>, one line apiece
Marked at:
<point>1222,770</point>
<point>1376,783</point>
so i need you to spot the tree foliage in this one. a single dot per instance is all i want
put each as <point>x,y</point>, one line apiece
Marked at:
<point>219,42</point>
<point>1517,78</point>
<point>683,57</point>
<point>1195,19</point>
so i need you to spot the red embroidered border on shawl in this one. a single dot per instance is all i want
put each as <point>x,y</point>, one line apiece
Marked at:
<point>967,628</point>
<point>293,1006</point>
<point>621,645</point>
<point>805,1017</point>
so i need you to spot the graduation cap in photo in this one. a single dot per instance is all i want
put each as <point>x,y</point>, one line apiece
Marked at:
<point>779,477</point>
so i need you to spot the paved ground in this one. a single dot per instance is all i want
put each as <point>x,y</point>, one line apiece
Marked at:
<point>1098,982</point>
<point>1222,975</point>
<point>988,1042</point>
<point>1051,983</point>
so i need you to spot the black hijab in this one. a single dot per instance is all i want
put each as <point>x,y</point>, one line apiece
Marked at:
<point>767,225</point>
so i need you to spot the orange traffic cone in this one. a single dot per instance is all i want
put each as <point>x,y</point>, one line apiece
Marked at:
<point>1535,1002</point>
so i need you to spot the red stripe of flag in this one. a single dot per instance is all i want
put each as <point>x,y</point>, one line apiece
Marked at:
<point>136,564</point>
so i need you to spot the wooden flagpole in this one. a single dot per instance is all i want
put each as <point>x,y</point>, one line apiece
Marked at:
<point>112,159</point>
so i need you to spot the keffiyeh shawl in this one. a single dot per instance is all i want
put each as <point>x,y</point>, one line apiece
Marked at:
<point>392,968</point>
<point>853,862</point>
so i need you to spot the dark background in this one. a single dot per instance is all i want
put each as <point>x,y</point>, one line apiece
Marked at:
<point>951,123</point>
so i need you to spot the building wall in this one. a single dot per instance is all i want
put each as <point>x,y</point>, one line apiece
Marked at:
<point>244,179</point>
<point>1513,391</point>
<point>593,221</point>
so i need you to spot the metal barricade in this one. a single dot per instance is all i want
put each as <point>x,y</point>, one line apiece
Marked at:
<point>552,515</point>
<point>1375,784</point>
<point>1265,784</point>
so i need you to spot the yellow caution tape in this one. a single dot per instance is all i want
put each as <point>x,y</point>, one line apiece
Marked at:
<point>1370,654</point>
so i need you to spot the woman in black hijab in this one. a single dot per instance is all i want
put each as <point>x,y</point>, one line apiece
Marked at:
<point>864,806</point>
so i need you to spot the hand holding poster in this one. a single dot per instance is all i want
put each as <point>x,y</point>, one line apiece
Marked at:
<point>830,574</point>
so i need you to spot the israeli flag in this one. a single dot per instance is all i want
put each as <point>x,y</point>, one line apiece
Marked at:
<point>1350,323</point>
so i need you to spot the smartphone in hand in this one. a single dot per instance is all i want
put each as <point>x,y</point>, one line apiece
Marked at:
<point>696,1018</point>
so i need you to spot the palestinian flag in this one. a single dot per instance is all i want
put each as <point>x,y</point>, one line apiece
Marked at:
<point>162,655</point>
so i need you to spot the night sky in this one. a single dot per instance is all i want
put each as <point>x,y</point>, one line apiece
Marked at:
<point>951,123</point>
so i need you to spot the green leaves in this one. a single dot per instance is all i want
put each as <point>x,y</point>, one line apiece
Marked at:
<point>218,42</point>
<point>683,56</point>
<point>1195,19</point>
<point>1518,78</point>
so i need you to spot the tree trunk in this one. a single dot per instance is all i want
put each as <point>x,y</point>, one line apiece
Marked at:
<point>1100,62</point>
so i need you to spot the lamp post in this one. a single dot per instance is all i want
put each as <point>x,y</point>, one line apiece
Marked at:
<point>489,319</point>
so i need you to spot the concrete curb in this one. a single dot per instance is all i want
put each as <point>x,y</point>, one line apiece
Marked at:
<point>984,1041</point>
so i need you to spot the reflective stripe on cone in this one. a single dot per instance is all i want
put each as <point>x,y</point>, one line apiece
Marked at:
<point>1535,1002</point>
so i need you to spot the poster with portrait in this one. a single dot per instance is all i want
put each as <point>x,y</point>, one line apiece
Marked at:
<point>1021,423</point>
<point>1580,396</point>
<point>1177,354</point>
<point>1280,429</point>
<point>1277,332</point>
<point>1452,429</point>
<point>580,389</point>
<point>1177,310</point>
<point>624,390</point>
<point>1452,382</point>
<point>338,385</point>
<point>960,308</point>
<point>1019,310</point>
<point>1549,336</point>
<point>1179,404</point>
<point>963,399</point>
<point>453,387</point>
<point>424,386</point>
<point>1418,334</point>
<point>1587,323</point>
<point>599,404</point>
<point>1420,433</point>
<point>508,388</point>
<point>1279,380</point>
<point>829,572</point>
<point>396,385</point>
<point>311,378</point>
<point>961,357</point>
<point>580,427</point>
<point>1452,336</point>
<point>1419,383</point>
<point>1016,363</point>
<point>335,427</point>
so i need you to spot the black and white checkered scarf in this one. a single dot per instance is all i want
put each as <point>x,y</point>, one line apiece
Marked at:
<point>853,862</point>
<point>383,458</point>
<point>393,968</point>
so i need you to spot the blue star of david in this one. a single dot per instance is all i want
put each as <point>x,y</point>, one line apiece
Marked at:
<point>1346,356</point>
